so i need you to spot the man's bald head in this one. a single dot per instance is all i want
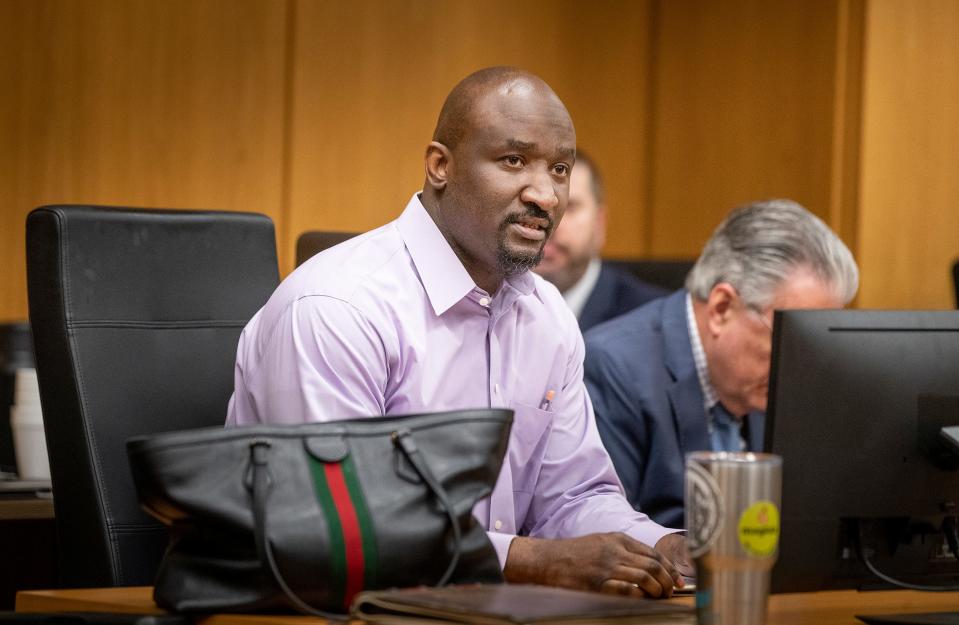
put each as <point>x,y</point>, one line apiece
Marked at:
<point>497,171</point>
<point>456,117</point>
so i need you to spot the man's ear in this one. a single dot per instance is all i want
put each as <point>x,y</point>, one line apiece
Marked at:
<point>438,158</point>
<point>719,307</point>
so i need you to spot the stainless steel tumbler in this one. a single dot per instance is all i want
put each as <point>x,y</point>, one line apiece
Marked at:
<point>732,523</point>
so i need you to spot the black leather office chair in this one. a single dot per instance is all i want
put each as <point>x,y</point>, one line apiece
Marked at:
<point>955,280</point>
<point>312,242</point>
<point>669,274</point>
<point>136,316</point>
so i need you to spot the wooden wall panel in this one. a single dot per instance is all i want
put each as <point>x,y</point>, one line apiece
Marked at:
<point>136,102</point>
<point>317,113</point>
<point>909,216</point>
<point>845,159</point>
<point>371,76</point>
<point>743,107</point>
<point>606,85</point>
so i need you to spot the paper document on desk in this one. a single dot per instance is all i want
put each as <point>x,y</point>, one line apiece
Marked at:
<point>512,604</point>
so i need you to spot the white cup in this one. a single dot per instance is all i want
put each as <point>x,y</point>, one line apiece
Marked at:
<point>26,424</point>
<point>26,391</point>
<point>29,444</point>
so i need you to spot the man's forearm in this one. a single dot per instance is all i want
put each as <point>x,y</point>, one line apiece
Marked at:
<point>610,562</point>
<point>529,562</point>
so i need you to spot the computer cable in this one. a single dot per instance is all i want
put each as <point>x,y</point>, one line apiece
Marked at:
<point>898,582</point>
<point>950,528</point>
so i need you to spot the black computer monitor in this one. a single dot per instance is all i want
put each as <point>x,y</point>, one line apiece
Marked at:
<point>857,400</point>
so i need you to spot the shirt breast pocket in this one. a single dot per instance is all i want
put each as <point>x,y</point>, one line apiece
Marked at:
<point>527,446</point>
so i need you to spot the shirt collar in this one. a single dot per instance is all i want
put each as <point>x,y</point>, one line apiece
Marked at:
<point>710,398</point>
<point>443,275</point>
<point>577,295</point>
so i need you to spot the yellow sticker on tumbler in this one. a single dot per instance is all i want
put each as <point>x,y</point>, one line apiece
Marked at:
<point>759,529</point>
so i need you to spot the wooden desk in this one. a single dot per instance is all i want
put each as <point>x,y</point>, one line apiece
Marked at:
<point>28,545</point>
<point>25,508</point>
<point>819,608</point>
<point>137,600</point>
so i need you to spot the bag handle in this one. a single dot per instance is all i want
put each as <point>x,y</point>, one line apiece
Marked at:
<point>262,482</point>
<point>404,440</point>
<point>259,462</point>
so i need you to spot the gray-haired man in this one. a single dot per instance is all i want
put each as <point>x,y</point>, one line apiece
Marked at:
<point>690,371</point>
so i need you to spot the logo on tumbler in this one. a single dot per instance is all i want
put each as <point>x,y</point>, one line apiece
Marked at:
<point>704,510</point>
<point>759,529</point>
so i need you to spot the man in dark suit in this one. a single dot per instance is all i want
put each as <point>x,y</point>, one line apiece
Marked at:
<point>595,291</point>
<point>690,372</point>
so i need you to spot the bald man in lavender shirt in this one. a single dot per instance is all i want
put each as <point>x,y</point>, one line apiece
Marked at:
<point>438,311</point>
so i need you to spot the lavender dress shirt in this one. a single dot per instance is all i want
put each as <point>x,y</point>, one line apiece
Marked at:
<point>390,322</point>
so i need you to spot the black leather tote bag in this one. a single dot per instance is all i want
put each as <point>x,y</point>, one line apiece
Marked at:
<point>266,518</point>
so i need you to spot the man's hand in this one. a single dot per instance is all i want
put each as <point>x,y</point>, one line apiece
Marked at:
<point>611,563</point>
<point>673,546</point>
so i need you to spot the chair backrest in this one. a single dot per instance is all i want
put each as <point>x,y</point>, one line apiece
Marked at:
<point>955,280</point>
<point>312,242</point>
<point>669,274</point>
<point>136,316</point>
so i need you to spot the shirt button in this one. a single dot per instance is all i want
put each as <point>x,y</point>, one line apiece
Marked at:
<point>496,388</point>
<point>484,301</point>
<point>498,525</point>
